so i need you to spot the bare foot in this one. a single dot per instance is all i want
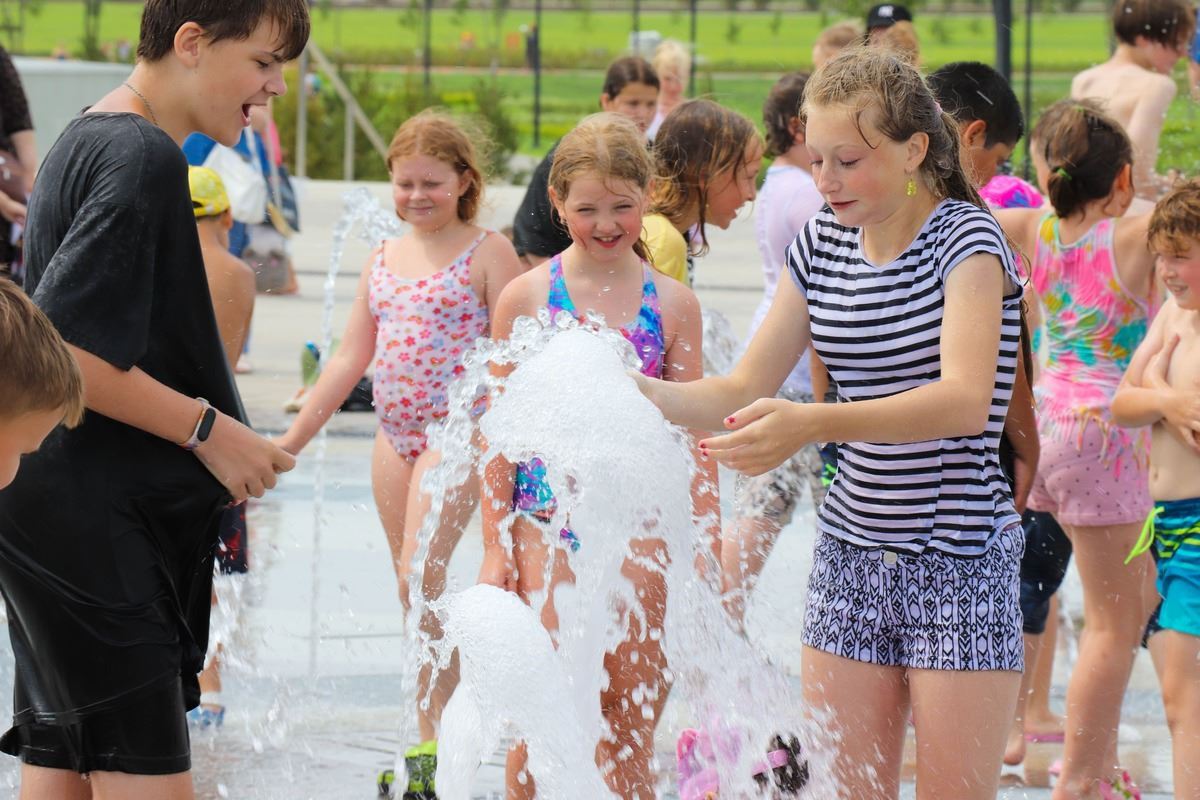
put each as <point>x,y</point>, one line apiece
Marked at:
<point>1044,726</point>
<point>1014,748</point>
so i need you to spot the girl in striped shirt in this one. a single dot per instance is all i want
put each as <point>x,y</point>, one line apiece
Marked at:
<point>908,290</point>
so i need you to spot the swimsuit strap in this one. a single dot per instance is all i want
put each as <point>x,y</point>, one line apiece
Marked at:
<point>559,298</point>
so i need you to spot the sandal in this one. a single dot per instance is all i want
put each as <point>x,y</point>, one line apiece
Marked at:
<point>1121,787</point>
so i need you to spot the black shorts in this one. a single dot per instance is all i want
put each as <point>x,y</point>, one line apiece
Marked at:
<point>1047,554</point>
<point>147,736</point>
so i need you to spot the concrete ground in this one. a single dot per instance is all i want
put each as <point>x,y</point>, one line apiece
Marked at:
<point>312,683</point>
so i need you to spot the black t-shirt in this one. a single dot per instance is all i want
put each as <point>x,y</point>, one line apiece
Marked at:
<point>107,533</point>
<point>537,228</point>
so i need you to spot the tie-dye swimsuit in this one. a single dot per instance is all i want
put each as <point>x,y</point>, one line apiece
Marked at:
<point>531,492</point>
<point>424,325</point>
<point>1092,472</point>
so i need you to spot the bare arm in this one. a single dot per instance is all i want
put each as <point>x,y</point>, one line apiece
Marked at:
<point>245,463</point>
<point>1021,428</point>
<point>339,374</point>
<point>1137,404</point>
<point>231,284</point>
<point>955,405</point>
<point>820,376</point>
<point>26,151</point>
<point>500,266</point>
<point>1144,129</point>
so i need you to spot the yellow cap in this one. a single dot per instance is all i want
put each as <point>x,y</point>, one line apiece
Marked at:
<point>208,192</point>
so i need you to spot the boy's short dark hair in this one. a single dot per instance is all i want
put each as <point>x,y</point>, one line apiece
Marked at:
<point>40,374</point>
<point>221,19</point>
<point>1175,222</point>
<point>969,90</point>
<point>1169,22</point>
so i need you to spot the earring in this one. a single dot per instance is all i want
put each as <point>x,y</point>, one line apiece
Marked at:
<point>910,188</point>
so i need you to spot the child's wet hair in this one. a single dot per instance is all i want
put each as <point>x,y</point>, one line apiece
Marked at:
<point>627,70</point>
<point>780,108</point>
<point>1084,149</point>
<point>880,88</point>
<point>222,19</point>
<point>435,134</point>
<point>1175,222</point>
<point>973,91</point>
<point>40,374</point>
<point>840,35</point>
<point>609,147</point>
<point>697,142</point>
<point>1168,22</point>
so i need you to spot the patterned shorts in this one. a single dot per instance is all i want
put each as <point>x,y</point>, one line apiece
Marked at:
<point>932,611</point>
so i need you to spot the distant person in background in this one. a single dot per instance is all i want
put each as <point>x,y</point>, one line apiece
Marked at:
<point>631,90</point>
<point>901,39</point>
<point>18,151</point>
<point>673,63</point>
<point>1135,84</point>
<point>533,49</point>
<point>831,41</point>
<point>787,200</point>
<point>884,16</point>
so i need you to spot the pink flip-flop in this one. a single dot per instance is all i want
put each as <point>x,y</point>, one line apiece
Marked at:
<point>1046,737</point>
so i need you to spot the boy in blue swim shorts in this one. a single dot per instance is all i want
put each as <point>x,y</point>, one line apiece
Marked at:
<point>1162,387</point>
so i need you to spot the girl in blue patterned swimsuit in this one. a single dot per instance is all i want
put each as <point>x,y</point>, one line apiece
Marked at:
<point>598,184</point>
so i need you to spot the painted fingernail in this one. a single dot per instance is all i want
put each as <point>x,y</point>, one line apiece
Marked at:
<point>730,419</point>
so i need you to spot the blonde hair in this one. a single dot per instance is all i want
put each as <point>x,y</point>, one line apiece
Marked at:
<point>435,134</point>
<point>606,145</point>
<point>901,39</point>
<point>836,38</point>
<point>672,54</point>
<point>1175,222</point>
<point>40,374</point>
<point>875,80</point>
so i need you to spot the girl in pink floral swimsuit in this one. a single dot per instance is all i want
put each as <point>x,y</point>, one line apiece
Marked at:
<point>422,301</point>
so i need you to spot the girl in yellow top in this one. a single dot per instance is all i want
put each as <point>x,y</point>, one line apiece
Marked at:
<point>708,159</point>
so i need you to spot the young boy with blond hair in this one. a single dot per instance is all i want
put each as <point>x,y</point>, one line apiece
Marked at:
<point>1135,84</point>
<point>1162,388</point>
<point>42,387</point>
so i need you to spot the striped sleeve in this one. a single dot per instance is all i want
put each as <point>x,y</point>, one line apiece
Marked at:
<point>969,232</point>
<point>799,255</point>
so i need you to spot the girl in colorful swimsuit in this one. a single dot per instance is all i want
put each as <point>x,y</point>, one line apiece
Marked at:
<point>599,183</point>
<point>907,289</point>
<point>1091,271</point>
<point>422,301</point>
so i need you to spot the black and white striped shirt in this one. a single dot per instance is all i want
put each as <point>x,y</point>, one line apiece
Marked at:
<point>878,330</point>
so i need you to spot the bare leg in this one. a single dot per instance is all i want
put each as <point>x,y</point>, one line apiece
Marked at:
<point>530,552</point>
<point>1014,750</point>
<point>961,720</point>
<point>628,758</point>
<point>122,786</point>
<point>1115,614</point>
<point>1038,716</point>
<point>210,676</point>
<point>868,705</point>
<point>1178,659</point>
<point>43,783</point>
<point>744,552</point>
<point>455,514</point>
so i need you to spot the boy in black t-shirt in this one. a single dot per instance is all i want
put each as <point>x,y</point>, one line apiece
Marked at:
<point>107,535</point>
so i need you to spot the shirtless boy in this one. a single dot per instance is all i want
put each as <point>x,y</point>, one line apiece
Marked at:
<point>1135,84</point>
<point>1162,387</point>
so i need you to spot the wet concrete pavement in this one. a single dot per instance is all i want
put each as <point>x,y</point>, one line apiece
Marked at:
<point>312,684</point>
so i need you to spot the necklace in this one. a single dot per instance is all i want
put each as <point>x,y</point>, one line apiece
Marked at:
<point>145,102</point>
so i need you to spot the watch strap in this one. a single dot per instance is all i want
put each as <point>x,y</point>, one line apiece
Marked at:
<point>204,424</point>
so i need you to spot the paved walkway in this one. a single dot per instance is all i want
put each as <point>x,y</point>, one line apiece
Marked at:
<point>312,684</point>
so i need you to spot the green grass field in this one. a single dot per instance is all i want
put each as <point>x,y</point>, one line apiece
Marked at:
<point>763,41</point>
<point>735,71</point>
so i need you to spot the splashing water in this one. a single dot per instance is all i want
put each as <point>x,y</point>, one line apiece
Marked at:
<point>622,475</point>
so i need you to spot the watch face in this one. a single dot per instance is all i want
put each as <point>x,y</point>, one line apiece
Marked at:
<point>206,424</point>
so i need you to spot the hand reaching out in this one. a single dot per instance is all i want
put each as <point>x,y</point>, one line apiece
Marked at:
<point>765,434</point>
